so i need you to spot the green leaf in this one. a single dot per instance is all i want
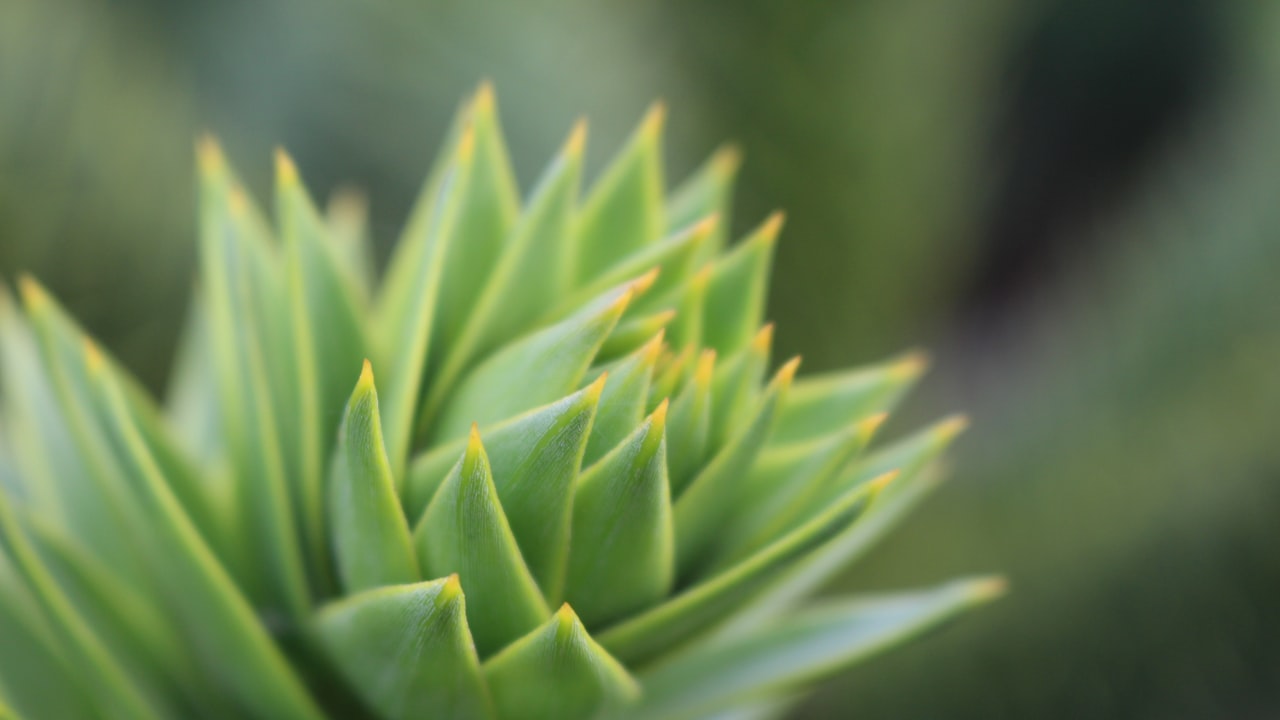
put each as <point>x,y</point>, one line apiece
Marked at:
<point>800,648</point>
<point>488,206</point>
<point>540,368</point>
<point>115,693</point>
<point>908,457</point>
<point>735,387</point>
<point>783,484</point>
<point>915,457</point>
<point>465,531</point>
<point>690,302</point>
<point>821,404</point>
<point>325,318</point>
<point>371,540</point>
<point>557,672</point>
<point>35,676</point>
<point>622,404</point>
<point>41,449</point>
<point>645,637</point>
<point>407,650</point>
<point>130,624</point>
<point>673,257</point>
<point>708,191</point>
<point>207,605</point>
<point>632,333</point>
<point>623,211</point>
<point>738,288</point>
<point>671,373</point>
<point>532,273</point>
<point>244,298</point>
<point>407,307</point>
<point>622,554</point>
<point>701,510</point>
<point>535,458</point>
<point>347,217</point>
<point>690,425</point>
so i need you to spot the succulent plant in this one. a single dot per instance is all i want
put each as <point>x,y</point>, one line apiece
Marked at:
<point>570,491</point>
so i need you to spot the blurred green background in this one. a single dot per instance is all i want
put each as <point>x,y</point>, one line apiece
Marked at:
<point>1075,205</point>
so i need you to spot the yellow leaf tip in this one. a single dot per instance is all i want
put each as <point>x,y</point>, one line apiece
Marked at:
<point>707,225</point>
<point>763,339</point>
<point>880,482</point>
<point>788,371</point>
<point>467,144</point>
<point>238,202</point>
<point>641,284</point>
<point>286,170</point>
<point>871,423</point>
<point>485,98</point>
<point>92,355</point>
<point>706,367</point>
<point>910,366</point>
<point>652,348</point>
<point>654,118</point>
<point>951,427</point>
<point>366,373</point>
<point>772,226</point>
<point>658,418</point>
<point>577,139</point>
<point>727,160</point>
<point>990,588</point>
<point>452,587</point>
<point>209,156</point>
<point>32,293</point>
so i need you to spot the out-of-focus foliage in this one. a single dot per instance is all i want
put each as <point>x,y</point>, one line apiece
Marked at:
<point>1127,469</point>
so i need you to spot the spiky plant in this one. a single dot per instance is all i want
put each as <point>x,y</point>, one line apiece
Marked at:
<point>570,411</point>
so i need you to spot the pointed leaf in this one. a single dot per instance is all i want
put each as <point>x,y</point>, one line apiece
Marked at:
<point>371,541</point>
<point>535,459</point>
<point>326,322</point>
<point>465,531</point>
<point>347,217</point>
<point>532,273</point>
<point>800,649</point>
<point>915,481</point>
<point>488,205</point>
<point>697,609</point>
<point>690,425</point>
<point>243,297</point>
<point>97,665</point>
<point>623,211</point>
<point>673,257</point>
<point>738,287</point>
<point>708,191</point>
<point>735,387</point>
<point>690,304</point>
<point>408,305</point>
<point>820,404</point>
<point>407,650</point>
<point>711,497</point>
<point>671,373</point>
<point>631,333</point>
<point>622,555</point>
<point>781,488</point>
<point>533,371</point>
<point>622,404</point>
<point>207,604</point>
<point>557,672</point>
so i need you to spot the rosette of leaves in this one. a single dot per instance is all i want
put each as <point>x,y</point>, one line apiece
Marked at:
<point>540,470</point>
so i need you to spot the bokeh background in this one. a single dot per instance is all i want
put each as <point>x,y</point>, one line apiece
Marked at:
<point>1073,204</point>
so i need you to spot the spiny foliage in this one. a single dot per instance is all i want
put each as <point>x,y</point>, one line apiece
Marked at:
<point>573,409</point>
